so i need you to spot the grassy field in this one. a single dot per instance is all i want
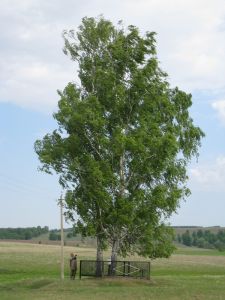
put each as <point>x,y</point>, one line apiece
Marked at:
<point>29,271</point>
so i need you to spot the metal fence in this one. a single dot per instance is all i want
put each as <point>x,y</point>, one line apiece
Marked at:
<point>133,269</point>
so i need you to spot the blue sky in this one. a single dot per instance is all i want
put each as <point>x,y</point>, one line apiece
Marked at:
<point>191,49</point>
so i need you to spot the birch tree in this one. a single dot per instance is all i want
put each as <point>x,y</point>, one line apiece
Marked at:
<point>124,140</point>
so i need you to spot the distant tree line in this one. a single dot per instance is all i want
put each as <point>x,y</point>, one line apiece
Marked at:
<point>54,235</point>
<point>22,233</point>
<point>203,239</point>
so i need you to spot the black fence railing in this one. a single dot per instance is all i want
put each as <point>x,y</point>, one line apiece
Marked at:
<point>134,269</point>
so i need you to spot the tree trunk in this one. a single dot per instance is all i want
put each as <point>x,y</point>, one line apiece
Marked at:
<point>116,237</point>
<point>99,259</point>
<point>115,249</point>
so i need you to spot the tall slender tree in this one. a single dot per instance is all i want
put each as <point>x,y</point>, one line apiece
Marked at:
<point>124,140</point>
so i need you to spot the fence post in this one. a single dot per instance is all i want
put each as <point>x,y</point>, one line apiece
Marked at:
<point>128,272</point>
<point>80,268</point>
<point>103,271</point>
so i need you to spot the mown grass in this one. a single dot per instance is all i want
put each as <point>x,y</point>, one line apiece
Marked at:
<point>32,272</point>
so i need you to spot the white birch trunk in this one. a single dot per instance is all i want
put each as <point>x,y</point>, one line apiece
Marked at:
<point>99,258</point>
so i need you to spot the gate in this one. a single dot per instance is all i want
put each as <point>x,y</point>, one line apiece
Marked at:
<point>133,269</point>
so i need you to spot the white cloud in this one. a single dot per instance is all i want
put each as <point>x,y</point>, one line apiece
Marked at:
<point>209,176</point>
<point>191,39</point>
<point>219,106</point>
<point>33,84</point>
<point>191,43</point>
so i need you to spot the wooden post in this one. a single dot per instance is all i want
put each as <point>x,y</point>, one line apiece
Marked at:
<point>80,268</point>
<point>62,238</point>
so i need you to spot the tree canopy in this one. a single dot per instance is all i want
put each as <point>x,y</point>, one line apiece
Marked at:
<point>123,142</point>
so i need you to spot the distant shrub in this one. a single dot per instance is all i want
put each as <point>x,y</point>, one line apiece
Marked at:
<point>220,245</point>
<point>53,236</point>
<point>69,235</point>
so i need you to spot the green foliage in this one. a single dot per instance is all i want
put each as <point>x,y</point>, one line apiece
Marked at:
<point>219,245</point>
<point>54,236</point>
<point>22,233</point>
<point>186,238</point>
<point>124,140</point>
<point>179,238</point>
<point>199,233</point>
<point>204,239</point>
<point>156,243</point>
<point>69,235</point>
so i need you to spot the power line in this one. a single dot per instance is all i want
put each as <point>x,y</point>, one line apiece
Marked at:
<point>15,185</point>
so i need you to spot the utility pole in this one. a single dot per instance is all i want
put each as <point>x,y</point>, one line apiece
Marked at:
<point>62,237</point>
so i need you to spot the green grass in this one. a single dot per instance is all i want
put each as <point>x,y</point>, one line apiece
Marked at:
<point>199,251</point>
<point>33,272</point>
